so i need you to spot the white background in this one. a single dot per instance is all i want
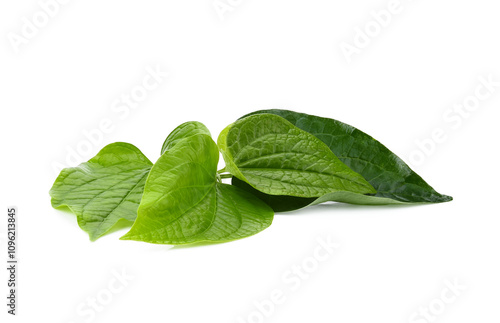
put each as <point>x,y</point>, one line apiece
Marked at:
<point>63,80</point>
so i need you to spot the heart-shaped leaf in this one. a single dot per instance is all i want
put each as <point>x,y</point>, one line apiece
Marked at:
<point>277,158</point>
<point>184,203</point>
<point>105,190</point>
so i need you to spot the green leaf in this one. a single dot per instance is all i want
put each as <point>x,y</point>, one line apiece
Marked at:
<point>105,190</point>
<point>394,181</point>
<point>185,130</point>
<point>183,202</point>
<point>277,158</point>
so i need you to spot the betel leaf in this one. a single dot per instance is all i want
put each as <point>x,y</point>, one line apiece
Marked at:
<point>393,179</point>
<point>184,203</point>
<point>105,190</point>
<point>185,130</point>
<point>277,158</point>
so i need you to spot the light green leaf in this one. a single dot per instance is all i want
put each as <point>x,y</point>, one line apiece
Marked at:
<point>185,130</point>
<point>277,158</point>
<point>105,190</point>
<point>393,179</point>
<point>183,202</point>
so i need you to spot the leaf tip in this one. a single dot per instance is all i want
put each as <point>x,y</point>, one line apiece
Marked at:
<point>93,235</point>
<point>127,236</point>
<point>447,198</point>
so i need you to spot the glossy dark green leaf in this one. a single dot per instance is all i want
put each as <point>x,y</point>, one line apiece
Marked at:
<point>184,203</point>
<point>105,190</point>
<point>393,179</point>
<point>277,158</point>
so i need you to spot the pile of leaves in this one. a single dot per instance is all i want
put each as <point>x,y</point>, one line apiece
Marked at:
<point>278,160</point>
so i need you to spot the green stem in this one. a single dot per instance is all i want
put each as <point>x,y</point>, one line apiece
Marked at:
<point>227,175</point>
<point>220,171</point>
